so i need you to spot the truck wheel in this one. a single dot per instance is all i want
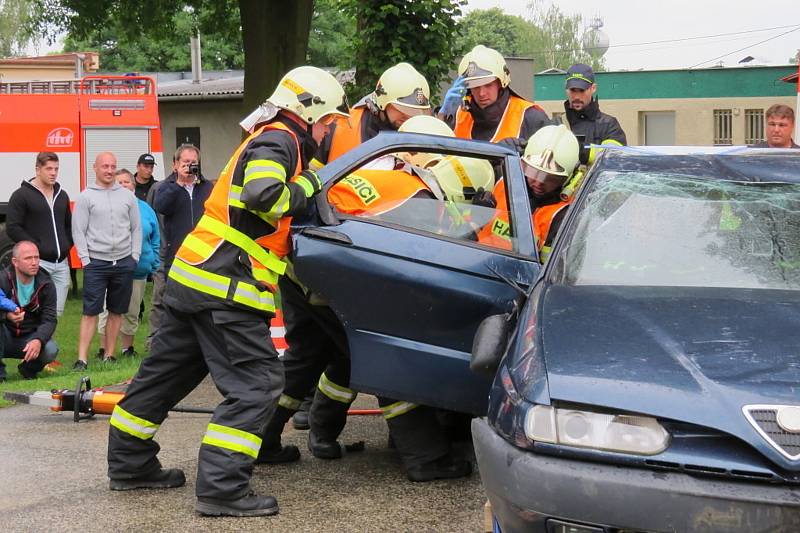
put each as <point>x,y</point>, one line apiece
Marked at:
<point>6,246</point>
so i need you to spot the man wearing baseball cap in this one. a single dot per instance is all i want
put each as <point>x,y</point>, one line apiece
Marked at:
<point>144,175</point>
<point>584,116</point>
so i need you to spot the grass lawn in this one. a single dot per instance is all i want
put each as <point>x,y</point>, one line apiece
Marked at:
<point>66,336</point>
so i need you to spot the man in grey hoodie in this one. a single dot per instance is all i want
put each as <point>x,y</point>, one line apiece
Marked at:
<point>108,236</point>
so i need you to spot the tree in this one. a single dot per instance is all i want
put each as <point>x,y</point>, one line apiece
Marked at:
<point>273,33</point>
<point>422,33</point>
<point>15,33</point>
<point>510,35</point>
<point>330,43</point>
<point>561,34</point>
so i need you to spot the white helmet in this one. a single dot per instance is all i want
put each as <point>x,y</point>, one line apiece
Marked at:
<point>311,94</point>
<point>551,154</point>
<point>481,65</point>
<point>404,87</point>
<point>461,177</point>
<point>428,125</point>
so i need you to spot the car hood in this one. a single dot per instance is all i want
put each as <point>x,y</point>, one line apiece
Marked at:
<point>692,354</point>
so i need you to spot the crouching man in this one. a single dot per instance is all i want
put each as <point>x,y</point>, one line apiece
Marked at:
<point>27,333</point>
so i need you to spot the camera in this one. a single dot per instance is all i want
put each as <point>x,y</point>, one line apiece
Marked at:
<point>194,169</point>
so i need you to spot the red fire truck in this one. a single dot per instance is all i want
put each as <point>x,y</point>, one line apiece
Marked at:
<point>77,119</point>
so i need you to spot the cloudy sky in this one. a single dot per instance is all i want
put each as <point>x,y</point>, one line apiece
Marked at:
<point>633,22</point>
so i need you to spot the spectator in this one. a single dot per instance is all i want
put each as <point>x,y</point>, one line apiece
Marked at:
<point>144,176</point>
<point>39,212</point>
<point>148,263</point>
<point>584,118</point>
<point>27,332</point>
<point>779,127</point>
<point>179,202</point>
<point>108,236</point>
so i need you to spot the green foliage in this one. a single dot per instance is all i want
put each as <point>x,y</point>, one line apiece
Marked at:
<point>330,42</point>
<point>423,33</point>
<point>510,35</point>
<point>15,32</point>
<point>131,48</point>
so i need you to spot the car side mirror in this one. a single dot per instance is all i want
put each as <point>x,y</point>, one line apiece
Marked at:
<point>489,344</point>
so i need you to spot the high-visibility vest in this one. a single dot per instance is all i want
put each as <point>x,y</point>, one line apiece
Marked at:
<point>373,192</point>
<point>347,134</point>
<point>497,232</point>
<point>264,250</point>
<point>510,123</point>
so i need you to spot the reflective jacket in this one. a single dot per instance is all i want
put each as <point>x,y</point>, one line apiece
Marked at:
<point>233,257</point>
<point>374,192</point>
<point>596,126</point>
<point>520,118</point>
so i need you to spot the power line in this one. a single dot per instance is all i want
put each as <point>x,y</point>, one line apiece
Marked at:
<point>746,47</point>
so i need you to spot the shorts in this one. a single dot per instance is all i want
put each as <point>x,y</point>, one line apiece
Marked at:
<point>110,282</point>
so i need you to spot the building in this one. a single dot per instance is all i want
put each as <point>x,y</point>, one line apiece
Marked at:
<point>55,67</point>
<point>715,106</point>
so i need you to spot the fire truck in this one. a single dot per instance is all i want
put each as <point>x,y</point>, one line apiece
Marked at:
<point>77,119</point>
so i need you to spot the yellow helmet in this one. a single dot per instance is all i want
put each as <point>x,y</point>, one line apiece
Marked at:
<point>311,94</point>
<point>430,126</point>
<point>481,65</point>
<point>404,87</point>
<point>461,177</point>
<point>552,149</point>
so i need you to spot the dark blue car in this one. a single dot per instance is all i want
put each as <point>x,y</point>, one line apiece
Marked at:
<point>652,379</point>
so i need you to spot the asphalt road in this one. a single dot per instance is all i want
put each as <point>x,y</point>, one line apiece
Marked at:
<point>53,475</point>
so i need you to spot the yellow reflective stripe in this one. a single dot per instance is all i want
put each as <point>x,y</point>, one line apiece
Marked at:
<point>282,205</point>
<point>232,439</point>
<point>266,275</point>
<point>544,254</point>
<point>595,150</point>
<point>237,238</point>
<point>305,183</point>
<point>335,392</point>
<point>397,409</point>
<point>315,164</point>
<point>249,295</point>
<point>263,168</point>
<point>288,402</point>
<point>198,246</point>
<point>132,425</point>
<point>199,279</point>
<point>235,197</point>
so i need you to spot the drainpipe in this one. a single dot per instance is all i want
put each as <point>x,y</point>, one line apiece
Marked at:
<point>79,58</point>
<point>197,67</point>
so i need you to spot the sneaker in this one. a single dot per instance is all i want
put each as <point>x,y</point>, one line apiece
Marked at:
<point>250,504</point>
<point>443,468</point>
<point>129,352</point>
<point>284,454</point>
<point>166,478</point>
<point>101,353</point>
<point>323,449</point>
<point>300,420</point>
<point>25,373</point>
<point>110,359</point>
<point>80,366</point>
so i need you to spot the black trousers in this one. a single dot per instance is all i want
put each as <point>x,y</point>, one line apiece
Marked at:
<point>417,433</point>
<point>236,349</point>
<point>317,343</point>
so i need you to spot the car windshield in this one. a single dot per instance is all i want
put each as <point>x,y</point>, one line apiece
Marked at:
<point>659,229</point>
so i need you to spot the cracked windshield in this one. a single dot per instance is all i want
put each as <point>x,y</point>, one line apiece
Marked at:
<point>707,233</point>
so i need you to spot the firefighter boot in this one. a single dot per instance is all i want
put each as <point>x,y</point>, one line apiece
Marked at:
<point>323,449</point>
<point>251,504</point>
<point>446,467</point>
<point>276,455</point>
<point>166,478</point>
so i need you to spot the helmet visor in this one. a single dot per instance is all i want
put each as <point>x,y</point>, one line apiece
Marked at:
<point>545,162</point>
<point>479,82</point>
<point>541,180</point>
<point>411,111</point>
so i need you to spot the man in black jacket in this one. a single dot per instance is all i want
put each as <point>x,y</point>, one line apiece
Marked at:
<point>27,333</point>
<point>587,122</point>
<point>39,212</point>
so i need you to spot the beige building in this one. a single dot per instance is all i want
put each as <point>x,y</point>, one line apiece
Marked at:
<point>49,68</point>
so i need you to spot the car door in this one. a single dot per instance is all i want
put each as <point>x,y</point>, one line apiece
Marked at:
<point>410,299</point>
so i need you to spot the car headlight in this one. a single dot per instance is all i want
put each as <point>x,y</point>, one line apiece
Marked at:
<point>641,435</point>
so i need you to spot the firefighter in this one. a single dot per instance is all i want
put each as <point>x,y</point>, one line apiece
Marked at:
<point>317,351</point>
<point>219,301</point>
<point>481,104</point>
<point>550,163</point>
<point>401,93</point>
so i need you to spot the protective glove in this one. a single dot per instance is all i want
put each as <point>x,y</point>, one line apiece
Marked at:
<point>515,143</point>
<point>309,181</point>
<point>453,97</point>
<point>484,198</point>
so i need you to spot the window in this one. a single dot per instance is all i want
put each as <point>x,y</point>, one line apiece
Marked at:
<point>658,128</point>
<point>723,126</point>
<point>753,126</point>
<point>434,194</point>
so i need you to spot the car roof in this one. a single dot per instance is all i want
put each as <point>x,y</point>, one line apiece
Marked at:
<point>738,163</point>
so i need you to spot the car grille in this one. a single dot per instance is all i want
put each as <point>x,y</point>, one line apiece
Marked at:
<point>765,418</point>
